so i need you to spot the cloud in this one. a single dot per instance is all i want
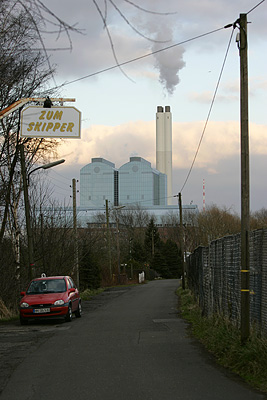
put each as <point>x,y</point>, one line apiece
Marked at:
<point>218,160</point>
<point>110,99</point>
<point>115,144</point>
<point>92,50</point>
<point>206,97</point>
<point>118,143</point>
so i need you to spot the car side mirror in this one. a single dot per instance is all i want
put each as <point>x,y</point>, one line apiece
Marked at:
<point>22,293</point>
<point>72,290</point>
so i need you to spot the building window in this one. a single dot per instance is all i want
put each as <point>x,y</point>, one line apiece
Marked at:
<point>128,197</point>
<point>116,188</point>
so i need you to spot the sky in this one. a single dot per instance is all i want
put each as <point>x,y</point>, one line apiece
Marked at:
<point>119,106</point>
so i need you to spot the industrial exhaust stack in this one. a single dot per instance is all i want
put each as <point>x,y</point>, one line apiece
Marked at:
<point>164,146</point>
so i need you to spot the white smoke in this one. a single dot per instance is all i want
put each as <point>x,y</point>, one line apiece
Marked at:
<point>169,62</point>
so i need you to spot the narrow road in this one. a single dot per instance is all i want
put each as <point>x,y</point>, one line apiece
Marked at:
<point>129,347</point>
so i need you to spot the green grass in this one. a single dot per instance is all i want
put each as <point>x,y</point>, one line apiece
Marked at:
<point>14,317</point>
<point>89,293</point>
<point>223,340</point>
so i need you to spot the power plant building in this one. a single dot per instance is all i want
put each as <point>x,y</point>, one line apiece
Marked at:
<point>98,183</point>
<point>140,183</point>
<point>135,182</point>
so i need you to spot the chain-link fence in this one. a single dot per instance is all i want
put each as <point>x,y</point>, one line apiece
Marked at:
<point>214,276</point>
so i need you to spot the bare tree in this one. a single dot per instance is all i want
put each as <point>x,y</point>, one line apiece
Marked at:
<point>23,73</point>
<point>54,24</point>
<point>216,222</point>
<point>258,219</point>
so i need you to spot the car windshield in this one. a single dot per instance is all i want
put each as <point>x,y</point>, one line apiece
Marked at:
<point>47,286</point>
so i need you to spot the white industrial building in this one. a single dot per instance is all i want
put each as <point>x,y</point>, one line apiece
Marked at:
<point>135,183</point>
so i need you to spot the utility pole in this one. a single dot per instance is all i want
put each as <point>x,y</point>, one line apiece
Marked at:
<point>27,212</point>
<point>245,186</point>
<point>108,238</point>
<point>153,241</point>
<point>131,261</point>
<point>118,246</point>
<point>76,254</point>
<point>181,237</point>
<point>118,240</point>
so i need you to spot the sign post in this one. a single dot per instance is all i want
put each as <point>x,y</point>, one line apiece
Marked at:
<point>54,122</point>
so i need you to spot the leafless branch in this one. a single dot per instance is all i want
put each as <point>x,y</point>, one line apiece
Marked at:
<point>149,11</point>
<point>133,27</point>
<point>103,17</point>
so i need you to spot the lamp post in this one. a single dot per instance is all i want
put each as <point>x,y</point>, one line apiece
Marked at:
<point>46,166</point>
<point>27,203</point>
<point>118,241</point>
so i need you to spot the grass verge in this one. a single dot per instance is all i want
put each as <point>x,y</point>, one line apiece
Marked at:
<point>222,339</point>
<point>89,293</point>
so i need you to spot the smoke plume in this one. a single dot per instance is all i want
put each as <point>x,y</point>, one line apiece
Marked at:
<point>169,62</point>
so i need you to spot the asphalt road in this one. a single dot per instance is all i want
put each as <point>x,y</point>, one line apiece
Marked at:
<point>130,344</point>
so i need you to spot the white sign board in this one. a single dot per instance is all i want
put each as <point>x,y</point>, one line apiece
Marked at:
<point>54,122</point>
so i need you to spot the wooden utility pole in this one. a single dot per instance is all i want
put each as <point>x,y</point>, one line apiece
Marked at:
<point>118,246</point>
<point>27,212</point>
<point>108,238</point>
<point>76,253</point>
<point>153,241</point>
<point>245,187</point>
<point>181,238</point>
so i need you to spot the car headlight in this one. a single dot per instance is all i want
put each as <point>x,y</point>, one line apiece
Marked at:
<point>59,303</point>
<point>24,305</point>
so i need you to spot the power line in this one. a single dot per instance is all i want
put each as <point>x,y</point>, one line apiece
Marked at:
<point>255,6</point>
<point>150,200</point>
<point>60,187</point>
<point>52,181</point>
<point>139,58</point>
<point>62,176</point>
<point>60,181</point>
<point>209,113</point>
<point>119,65</point>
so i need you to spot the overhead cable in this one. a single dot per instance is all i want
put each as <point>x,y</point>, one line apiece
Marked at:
<point>139,58</point>
<point>209,113</point>
<point>257,5</point>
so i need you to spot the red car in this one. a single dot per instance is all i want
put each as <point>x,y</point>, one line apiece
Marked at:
<point>50,297</point>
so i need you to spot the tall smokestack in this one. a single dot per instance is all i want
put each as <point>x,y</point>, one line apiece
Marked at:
<point>164,146</point>
<point>160,145</point>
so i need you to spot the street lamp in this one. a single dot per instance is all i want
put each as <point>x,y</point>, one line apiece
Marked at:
<point>27,204</point>
<point>46,166</point>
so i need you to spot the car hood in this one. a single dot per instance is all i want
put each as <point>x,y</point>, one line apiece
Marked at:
<point>43,298</point>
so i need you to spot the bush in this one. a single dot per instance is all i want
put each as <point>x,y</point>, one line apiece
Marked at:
<point>90,277</point>
<point>221,338</point>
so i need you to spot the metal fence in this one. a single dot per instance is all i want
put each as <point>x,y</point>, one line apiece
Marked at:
<point>214,276</point>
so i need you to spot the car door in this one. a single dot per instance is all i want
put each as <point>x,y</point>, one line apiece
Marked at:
<point>73,294</point>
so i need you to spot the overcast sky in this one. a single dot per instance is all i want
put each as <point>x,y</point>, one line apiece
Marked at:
<point>118,107</point>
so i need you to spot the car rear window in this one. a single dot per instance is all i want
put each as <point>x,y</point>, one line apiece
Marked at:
<point>47,286</point>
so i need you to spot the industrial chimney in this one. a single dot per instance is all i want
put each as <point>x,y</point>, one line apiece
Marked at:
<point>164,146</point>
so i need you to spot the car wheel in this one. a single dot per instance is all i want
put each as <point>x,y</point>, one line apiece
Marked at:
<point>68,317</point>
<point>78,312</point>
<point>23,321</point>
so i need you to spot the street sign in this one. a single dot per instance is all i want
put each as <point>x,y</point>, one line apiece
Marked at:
<point>54,122</point>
